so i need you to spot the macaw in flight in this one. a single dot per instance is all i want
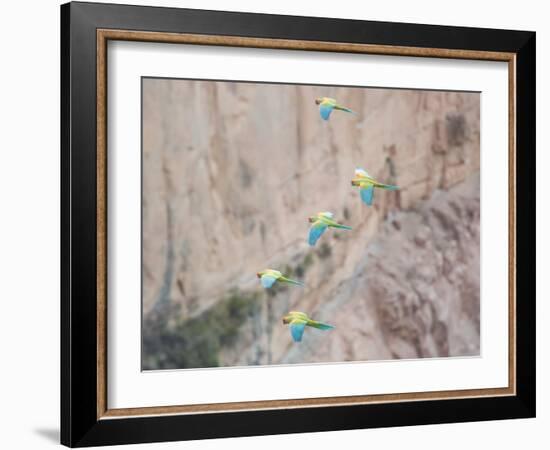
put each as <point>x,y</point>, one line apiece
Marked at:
<point>269,276</point>
<point>326,105</point>
<point>298,322</point>
<point>320,223</point>
<point>366,183</point>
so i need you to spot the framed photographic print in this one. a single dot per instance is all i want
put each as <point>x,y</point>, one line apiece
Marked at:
<point>277,224</point>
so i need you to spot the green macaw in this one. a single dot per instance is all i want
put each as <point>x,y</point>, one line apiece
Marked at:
<point>326,105</point>
<point>320,223</point>
<point>269,276</point>
<point>366,183</point>
<point>298,322</point>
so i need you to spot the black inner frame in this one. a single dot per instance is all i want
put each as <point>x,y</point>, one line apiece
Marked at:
<point>79,423</point>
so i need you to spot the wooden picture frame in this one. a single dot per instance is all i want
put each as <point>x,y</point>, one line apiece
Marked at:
<point>86,418</point>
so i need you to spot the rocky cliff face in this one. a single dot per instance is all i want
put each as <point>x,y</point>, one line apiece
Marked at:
<point>415,292</point>
<point>231,171</point>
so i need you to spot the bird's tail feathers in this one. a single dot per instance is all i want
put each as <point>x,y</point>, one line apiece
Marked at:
<point>289,281</point>
<point>321,325</point>
<point>343,108</point>
<point>342,227</point>
<point>389,187</point>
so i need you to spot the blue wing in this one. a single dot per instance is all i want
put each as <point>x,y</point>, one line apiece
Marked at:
<point>297,327</point>
<point>268,280</point>
<point>367,193</point>
<point>325,110</point>
<point>315,232</point>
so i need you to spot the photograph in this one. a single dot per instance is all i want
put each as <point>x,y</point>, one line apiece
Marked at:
<point>298,224</point>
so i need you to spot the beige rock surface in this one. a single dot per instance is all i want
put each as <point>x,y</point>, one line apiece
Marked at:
<point>231,171</point>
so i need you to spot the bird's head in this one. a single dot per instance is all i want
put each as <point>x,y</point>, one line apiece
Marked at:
<point>259,274</point>
<point>311,219</point>
<point>286,319</point>
<point>354,182</point>
<point>318,100</point>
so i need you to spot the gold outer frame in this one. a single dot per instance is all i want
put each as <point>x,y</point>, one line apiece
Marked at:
<point>103,36</point>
